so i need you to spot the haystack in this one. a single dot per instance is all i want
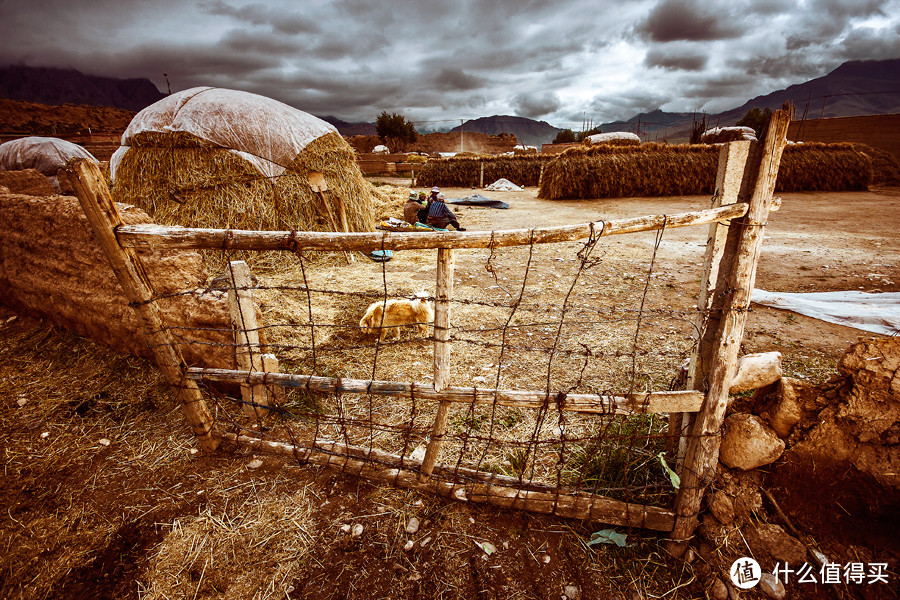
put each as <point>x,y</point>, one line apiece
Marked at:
<point>524,169</point>
<point>212,157</point>
<point>44,154</point>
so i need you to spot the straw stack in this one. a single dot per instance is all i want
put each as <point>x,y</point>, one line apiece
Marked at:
<point>523,170</point>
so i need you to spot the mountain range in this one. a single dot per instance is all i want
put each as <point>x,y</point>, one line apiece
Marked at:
<point>854,88</point>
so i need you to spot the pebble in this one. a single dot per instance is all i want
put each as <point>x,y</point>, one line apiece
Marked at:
<point>345,528</point>
<point>357,530</point>
<point>425,542</point>
<point>771,586</point>
<point>413,526</point>
<point>545,559</point>
<point>22,402</point>
<point>104,442</point>
<point>194,451</point>
<point>45,435</point>
<point>408,546</point>
<point>571,592</point>
<point>254,464</point>
<point>719,591</point>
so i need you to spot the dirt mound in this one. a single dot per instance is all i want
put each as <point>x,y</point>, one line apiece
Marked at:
<point>29,182</point>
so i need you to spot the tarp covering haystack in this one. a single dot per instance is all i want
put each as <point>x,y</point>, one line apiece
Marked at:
<point>44,154</point>
<point>619,138</point>
<point>682,170</point>
<point>212,157</point>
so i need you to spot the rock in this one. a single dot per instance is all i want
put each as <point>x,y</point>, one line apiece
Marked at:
<point>412,526</point>
<point>748,443</point>
<point>718,590</point>
<point>755,371</point>
<point>424,543</point>
<point>345,528</point>
<point>787,410</point>
<point>771,586</point>
<point>21,402</point>
<point>356,530</point>
<point>254,464</point>
<point>571,592</point>
<point>772,540</point>
<point>721,507</point>
<point>409,546</point>
<point>104,442</point>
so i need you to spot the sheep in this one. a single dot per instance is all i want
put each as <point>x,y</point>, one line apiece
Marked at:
<point>400,311</point>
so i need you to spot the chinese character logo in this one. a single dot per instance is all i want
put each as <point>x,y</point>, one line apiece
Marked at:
<point>745,573</point>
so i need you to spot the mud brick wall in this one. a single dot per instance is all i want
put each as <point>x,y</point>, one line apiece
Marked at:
<point>878,131</point>
<point>51,267</point>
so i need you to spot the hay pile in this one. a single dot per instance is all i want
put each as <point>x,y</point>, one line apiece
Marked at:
<point>608,171</point>
<point>885,169</point>
<point>524,170</point>
<point>823,167</point>
<point>209,157</point>
<point>662,170</point>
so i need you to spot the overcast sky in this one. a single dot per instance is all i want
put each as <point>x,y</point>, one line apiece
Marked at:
<point>435,60</point>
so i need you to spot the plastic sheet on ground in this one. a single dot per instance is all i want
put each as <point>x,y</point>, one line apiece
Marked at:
<point>875,312</point>
<point>267,133</point>
<point>478,200</point>
<point>503,185</point>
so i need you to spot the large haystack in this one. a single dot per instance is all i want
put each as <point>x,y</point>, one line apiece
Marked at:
<point>612,171</point>
<point>662,170</point>
<point>211,157</point>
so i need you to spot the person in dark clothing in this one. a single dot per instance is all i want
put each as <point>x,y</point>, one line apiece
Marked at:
<point>412,209</point>
<point>438,214</point>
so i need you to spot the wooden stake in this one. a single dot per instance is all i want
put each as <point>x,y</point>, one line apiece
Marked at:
<point>246,335</point>
<point>104,217</point>
<point>734,288</point>
<point>732,166</point>
<point>443,295</point>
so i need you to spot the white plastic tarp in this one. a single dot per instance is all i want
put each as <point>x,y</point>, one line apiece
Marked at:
<point>267,133</point>
<point>599,138</point>
<point>878,312</point>
<point>503,185</point>
<point>46,154</point>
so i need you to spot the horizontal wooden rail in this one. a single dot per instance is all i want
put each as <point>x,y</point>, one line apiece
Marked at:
<point>158,236</point>
<point>637,403</point>
<point>484,487</point>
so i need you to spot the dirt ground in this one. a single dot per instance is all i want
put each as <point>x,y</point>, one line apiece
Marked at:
<point>105,496</point>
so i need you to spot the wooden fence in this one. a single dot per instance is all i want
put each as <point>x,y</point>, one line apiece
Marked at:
<point>745,186</point>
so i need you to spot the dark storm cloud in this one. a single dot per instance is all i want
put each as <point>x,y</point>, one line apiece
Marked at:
<point>538,105</point>
<point>673,20</point>
<point>434,60</point>
<point>675,61</point>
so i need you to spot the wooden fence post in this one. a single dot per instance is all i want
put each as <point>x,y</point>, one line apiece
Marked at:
<point>732,167</point>
<point>737,274</point>
<point>246,336</point>
<point>443,295</point>
<point>104,218</point>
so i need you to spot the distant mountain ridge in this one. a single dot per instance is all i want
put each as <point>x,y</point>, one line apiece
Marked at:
<point>862,87</point>
<point>52,86</point>
<point>528,131</point>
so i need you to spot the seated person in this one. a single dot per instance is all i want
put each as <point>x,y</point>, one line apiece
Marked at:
<point>438,214</point>
<point>412,208</point>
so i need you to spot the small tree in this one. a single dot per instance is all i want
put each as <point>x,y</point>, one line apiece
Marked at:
<point>580,137</point>
<point>395,131</point>
<point>756,119</point>
<point>565,136</point>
